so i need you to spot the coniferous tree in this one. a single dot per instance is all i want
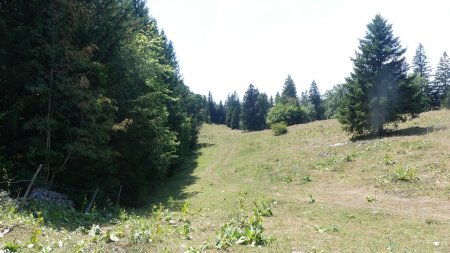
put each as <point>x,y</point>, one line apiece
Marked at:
<point>316,101</point>
<point>441,81</point>
<point>289,89</point>
<point>277,98</point>
<point>95,94</point>
<point>421,68</point>
<point>212,108</point>
<point>254,109</point>
<point>378,91</point>
<point>233,111</point>
<point>420,64</point>
<point>262,105</point>
<point>220,113</point>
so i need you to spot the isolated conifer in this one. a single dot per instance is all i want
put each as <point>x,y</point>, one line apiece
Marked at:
<point>378,91</point>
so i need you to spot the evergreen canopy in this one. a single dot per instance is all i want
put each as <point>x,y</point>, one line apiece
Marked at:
<point>378,90</point>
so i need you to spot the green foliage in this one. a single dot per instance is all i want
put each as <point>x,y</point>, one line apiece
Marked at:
<point>446,102</point>
<point>441,83</point>
<point>316,101</point>
<point>263,207</point>
<point>306,179</point>
<point>279,128</point>
<point>255,106</point>
<point>288,112</point>
<point>420,64</point>
<point>245,231</point>
<point>388,160</point>
<point>332,101</point>
<point>233,111</point>
<point>130,119</point>
<point>11,247</point>
<point>405,175</point>
<point>378,91</point>
<point>289,89</point>
<point>371,199</point>
<point>199,249</point>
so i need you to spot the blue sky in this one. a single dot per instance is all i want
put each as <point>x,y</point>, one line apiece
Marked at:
<point>224,45</point>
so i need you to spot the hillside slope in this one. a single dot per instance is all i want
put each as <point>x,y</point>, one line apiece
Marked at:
<point>389,194</point>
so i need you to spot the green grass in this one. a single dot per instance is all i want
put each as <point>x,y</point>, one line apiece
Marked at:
<point>299,191</point>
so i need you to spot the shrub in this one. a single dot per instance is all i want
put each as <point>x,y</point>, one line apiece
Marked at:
<point>279,128</point>
<point>289,113</point>
<point>405,175</point>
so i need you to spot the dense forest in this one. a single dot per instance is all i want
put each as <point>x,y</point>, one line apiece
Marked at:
<point>92,90</point>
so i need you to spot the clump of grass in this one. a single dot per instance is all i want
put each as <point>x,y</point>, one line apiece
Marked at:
<point>263,207</point>
<point>388,160</point>
<point>415,145</point>
<point>325,164</point>
<point>349,158</point>
<point>371,199</point>
<point>306,179</point>
<point>405,175</point>
<point>279,128</point>
<point>287,179</point>
<point>332,228</point>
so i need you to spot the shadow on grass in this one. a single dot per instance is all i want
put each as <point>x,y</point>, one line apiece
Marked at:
<point>411,131</point>
<point>170,192</point>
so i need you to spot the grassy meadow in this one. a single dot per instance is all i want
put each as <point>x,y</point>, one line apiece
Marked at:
<point>310,190</point>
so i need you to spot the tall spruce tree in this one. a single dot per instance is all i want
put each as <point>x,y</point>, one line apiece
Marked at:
<point>378,91</point>
<point>232,111</point>
<point>441,81</point>
<point>289,89</point>
<point>420,64</point>
<point>422,70</point>
<point>254,109</point>
<point>316,101</point>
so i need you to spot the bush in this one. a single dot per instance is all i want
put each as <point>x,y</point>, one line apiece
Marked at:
<point>279,128</point>
<point>289,113</point>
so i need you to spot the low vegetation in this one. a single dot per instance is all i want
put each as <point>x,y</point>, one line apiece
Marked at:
<point>341,196</point>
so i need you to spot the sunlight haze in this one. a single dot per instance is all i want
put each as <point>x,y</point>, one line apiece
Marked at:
<point>224,45</point>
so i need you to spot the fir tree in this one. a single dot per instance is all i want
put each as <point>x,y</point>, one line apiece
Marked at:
<point>316,101</point>
<point>289,90</point>
<point>232,111</point>
<point>421,68</point>
<point>212,108</point>
<point>378,91</point>
<point>254,109</point>
<point>441,81</point>
<point>420,64</point>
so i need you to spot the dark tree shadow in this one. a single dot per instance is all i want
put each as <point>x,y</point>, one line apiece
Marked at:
<point>170,192</point>
<point>411,131</point>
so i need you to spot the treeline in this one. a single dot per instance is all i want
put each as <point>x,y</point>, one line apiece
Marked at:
<point>383,88</point>
<point>257,111</point>
<point>91,89</point>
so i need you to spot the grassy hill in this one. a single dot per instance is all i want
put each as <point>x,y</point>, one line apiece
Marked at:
<point>327,194</point>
